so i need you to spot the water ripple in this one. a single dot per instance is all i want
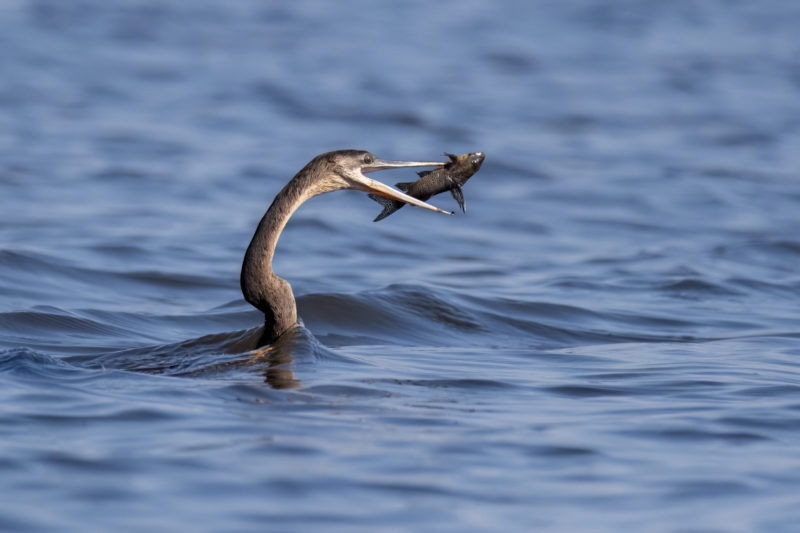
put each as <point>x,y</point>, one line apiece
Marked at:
<point>608,337</point>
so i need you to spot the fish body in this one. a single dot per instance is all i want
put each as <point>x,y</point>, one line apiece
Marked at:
<point>450,177</point>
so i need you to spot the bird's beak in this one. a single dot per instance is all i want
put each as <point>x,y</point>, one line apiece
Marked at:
<point>382,164</point>
<point>376,187</point>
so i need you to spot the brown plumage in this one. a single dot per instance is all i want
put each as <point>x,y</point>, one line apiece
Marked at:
<point>343,169</point>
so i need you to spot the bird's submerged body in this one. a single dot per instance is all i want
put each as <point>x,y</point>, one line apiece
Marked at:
<point>450,177</point>
<point>343,169</point>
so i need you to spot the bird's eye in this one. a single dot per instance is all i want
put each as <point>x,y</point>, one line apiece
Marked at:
<point>368,159</point>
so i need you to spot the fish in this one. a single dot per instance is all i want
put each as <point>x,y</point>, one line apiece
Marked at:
<point>450,177</point>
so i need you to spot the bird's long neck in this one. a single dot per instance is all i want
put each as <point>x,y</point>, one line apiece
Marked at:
<point>260,286</point>
<point>262,245</point>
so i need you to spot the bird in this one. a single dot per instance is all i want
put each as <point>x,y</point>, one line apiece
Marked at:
<point>331,171</point>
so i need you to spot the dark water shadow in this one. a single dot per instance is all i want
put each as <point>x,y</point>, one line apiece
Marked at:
<point>220,355</point>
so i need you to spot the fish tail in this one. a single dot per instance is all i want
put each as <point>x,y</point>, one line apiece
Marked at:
<point>389,206</point>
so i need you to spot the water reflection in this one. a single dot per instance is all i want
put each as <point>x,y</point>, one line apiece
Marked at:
<point>278,357</point>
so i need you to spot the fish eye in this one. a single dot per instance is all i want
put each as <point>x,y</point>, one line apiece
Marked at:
<point>368,159</point>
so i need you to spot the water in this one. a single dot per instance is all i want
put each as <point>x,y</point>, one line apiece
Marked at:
<point>608,339</point>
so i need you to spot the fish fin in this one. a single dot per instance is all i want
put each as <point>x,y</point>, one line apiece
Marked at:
<point>452,157</point>
<point>458,194</point>
<point>423,173</point>
<point>388,204</point>
<point>404,185</point>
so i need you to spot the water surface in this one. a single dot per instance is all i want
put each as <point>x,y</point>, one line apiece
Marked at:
<point>608,339</point>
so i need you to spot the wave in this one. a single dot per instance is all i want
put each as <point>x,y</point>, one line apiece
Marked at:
<point>32,276</point>
<point>226,338</point>
<point>413,315</point>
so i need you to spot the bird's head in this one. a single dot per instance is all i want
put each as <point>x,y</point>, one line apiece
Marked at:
<point>347,170</point>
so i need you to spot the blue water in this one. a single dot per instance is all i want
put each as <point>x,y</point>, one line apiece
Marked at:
<point>609,339</point>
